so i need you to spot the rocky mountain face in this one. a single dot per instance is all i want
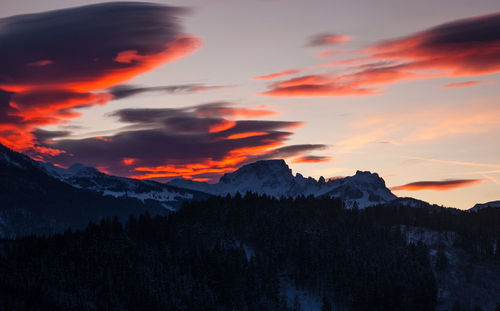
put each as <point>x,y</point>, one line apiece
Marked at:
<point>275,178</point>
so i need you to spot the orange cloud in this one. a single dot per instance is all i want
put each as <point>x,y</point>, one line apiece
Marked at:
<point>444,185</point>
<point>37,108</point>
<point>222,125</point>
<point>246,135</point>
<point>315,85</point>
<point>180,47</point>
<point>468,47</point>
<point>190,142</point>
<point>99,54</point>
<point>211,167</point>
<point>222,109</point>
<point>462,84</point>
<point>128,161</point>
<point>280,74</point>
<point>328,39</point>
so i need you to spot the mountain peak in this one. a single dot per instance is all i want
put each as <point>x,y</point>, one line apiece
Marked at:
<point>263,169</point>
<point>368,177</point>
<point>275,178</point>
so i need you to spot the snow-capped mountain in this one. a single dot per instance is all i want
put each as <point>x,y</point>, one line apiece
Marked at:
<point>275,178</point>
<point>34,202</point>
<point>479,206</point>
<point>89,178</point>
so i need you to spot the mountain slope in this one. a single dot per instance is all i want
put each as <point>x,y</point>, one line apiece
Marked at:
<point>275,178</point>
<point>34,202</point>
<point>480,206</point>
<point>89,178</point>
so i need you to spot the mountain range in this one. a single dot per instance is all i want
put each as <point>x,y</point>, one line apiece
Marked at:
<point>38,197</point>
<point>275,178</point>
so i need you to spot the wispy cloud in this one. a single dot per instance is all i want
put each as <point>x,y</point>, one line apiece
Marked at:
<point>283,73</point>
<point>125,91</point>
<point>467,47</point>
<point>443,185</point>
<point>323,39</point>
<point>462,84</point>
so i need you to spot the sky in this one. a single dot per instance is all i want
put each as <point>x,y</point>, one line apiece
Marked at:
<point>195,89</point>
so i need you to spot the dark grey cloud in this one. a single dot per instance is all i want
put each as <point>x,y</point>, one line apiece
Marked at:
<point>180,136</point>
<point>124,91</point>
<point>80,44</point>
<point>54,62</point>
<point>44,135</point>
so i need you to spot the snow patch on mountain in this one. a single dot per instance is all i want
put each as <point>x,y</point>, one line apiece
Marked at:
<point>480,206</point>
<point>89,178</point>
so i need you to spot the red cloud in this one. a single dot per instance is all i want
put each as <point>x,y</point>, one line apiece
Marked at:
<point>128,161</point>
<point>202,141</point>
<point>210,167</point>
<point>280,74</point>
<point>224,110</point>
<point>318,85</point>
<point>444,185</point>
<point>221,125</point>
<point>311,159</point>
<point>466,47</point>
<point>246,135</point>
<point>355,84</point>
<point>180,47</point>
<point>462,84</point>
<point>318,90</point>
<point>469,47</point>
<point>51,107</point>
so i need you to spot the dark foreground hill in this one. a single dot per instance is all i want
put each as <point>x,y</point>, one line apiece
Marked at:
<point>223,254</point>
<point>259,253</point>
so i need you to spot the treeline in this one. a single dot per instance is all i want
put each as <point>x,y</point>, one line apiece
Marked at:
<point>478,232</point>
<point>222,254</point>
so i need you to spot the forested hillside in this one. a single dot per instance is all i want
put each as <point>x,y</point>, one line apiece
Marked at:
<point>249,253</point>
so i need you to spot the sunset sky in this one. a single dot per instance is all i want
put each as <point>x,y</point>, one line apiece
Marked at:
<point>194,89</point>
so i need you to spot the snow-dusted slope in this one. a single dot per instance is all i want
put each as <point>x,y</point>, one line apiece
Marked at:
<point>479,206</point>
<point>362,190</point>
<point>34,202</point>
<point>89,178</point>
<point>275,178</point>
